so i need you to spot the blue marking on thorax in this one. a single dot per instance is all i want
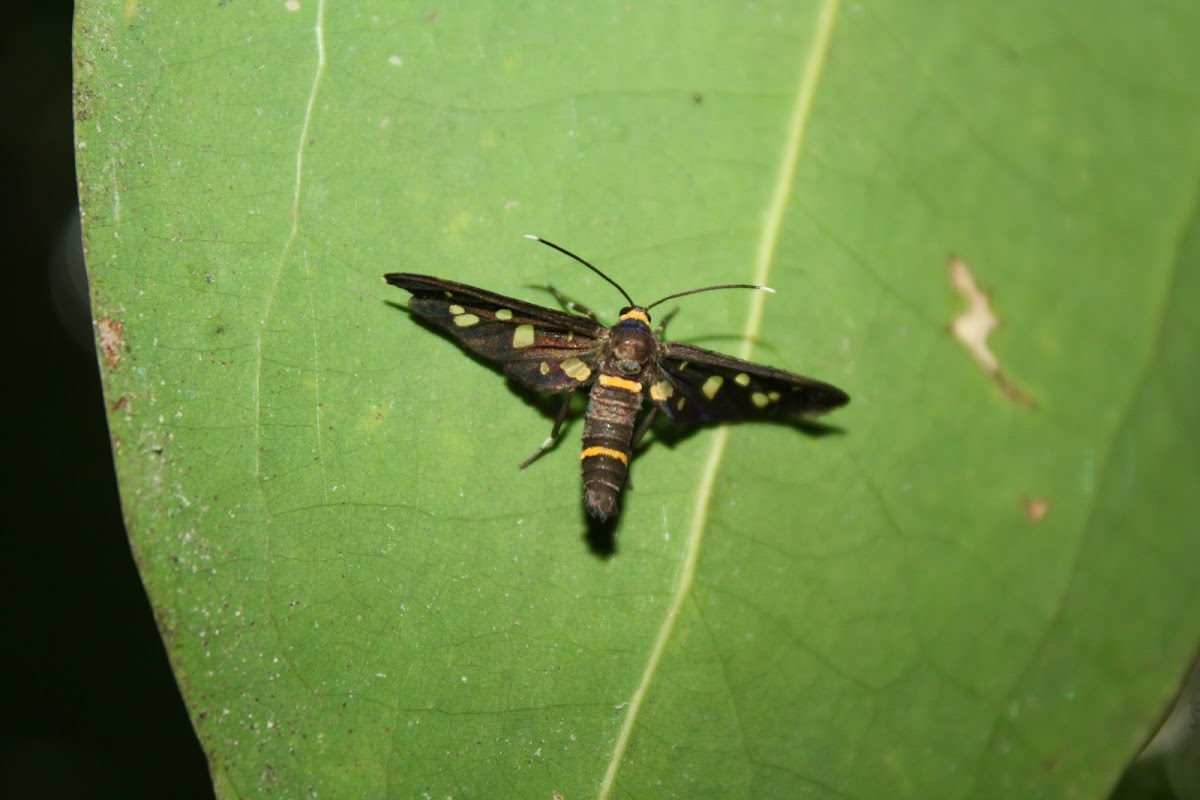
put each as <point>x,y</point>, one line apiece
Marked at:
<point>632,324</point>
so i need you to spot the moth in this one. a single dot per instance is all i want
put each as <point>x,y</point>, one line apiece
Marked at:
<point>621,367</point>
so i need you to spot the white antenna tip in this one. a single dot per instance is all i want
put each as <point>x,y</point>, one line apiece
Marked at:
<point>531,236</point>
<point>767,289</point>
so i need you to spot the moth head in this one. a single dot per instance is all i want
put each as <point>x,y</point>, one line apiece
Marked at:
<point>635,312</point>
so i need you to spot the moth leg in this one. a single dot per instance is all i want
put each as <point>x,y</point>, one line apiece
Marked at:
<point>637,437</point>
<point>558,422</point>
<point>643,427</point>
<point>572,306</point>
<point>662,326</point>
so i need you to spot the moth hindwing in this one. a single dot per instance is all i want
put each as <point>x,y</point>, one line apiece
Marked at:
<point>546,350</point>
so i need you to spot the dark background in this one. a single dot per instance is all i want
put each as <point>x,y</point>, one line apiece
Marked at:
<point>93,711</point>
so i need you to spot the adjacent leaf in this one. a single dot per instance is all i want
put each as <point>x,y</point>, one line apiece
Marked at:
<point>982,584</point>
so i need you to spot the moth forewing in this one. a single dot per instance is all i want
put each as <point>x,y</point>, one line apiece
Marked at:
<point>540,348</point>
<point>703,386</point>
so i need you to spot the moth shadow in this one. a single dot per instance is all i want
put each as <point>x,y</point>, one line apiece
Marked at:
<point>671,435</point>
<point>601,537</point>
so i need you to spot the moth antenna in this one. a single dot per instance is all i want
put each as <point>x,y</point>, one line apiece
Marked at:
<point>711,288</point>
<point>583,261</point>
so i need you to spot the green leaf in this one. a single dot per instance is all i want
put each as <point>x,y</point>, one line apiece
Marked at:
<point>984,583</point>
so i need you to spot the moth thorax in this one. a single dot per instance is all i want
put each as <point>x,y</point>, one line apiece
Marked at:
<point>632,347</point>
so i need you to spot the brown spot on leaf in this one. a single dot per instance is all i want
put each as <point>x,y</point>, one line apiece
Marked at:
<point>112,340</point>
<point>1036,508</point>
<point>974,325</point>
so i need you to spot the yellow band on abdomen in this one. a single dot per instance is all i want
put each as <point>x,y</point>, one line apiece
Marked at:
<point>589,452</point>
<point>621,383</point>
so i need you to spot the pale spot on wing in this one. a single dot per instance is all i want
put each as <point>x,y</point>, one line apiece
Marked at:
<point>575,368</point>
<point>523,336</point>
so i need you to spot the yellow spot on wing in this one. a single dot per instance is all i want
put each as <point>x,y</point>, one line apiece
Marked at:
<point>576,369</point>
<point>742,379</point>
<point>759,399</point>
<point>661,391</point>
<point>503,314</point>
<point>712,385</point>
<point>523,336</point>
<point>456,310</point>
<point>465,320</point>
<point>589,452</point>
<point>544,368</point>
<point>621,383</point>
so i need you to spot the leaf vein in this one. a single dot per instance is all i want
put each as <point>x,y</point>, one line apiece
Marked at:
<point>297,183</point>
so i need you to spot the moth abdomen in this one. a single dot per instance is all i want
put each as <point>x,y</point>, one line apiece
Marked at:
<point>613,405</point>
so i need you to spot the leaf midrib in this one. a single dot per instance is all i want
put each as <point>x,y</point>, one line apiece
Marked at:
<point>764,260</point>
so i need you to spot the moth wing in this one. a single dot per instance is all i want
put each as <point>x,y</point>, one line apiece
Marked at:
<point>539,348</point>
<point>698,386</point>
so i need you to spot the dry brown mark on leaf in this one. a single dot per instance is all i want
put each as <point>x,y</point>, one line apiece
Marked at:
<point>974,325</point>
<point>1036,508</point>
<point>112,340</point>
